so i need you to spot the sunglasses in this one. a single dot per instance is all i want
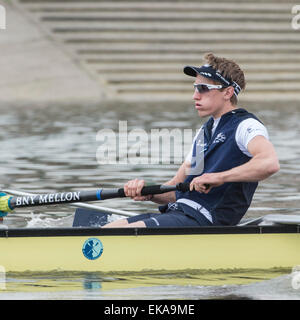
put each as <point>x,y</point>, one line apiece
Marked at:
<point>205,87</point>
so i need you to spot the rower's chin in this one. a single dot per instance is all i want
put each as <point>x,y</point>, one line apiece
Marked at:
<point>201,112</point>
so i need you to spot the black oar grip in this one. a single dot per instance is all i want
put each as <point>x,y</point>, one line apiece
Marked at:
<point>183,186</point>
<point>120,193</point>
<point>156,189</point>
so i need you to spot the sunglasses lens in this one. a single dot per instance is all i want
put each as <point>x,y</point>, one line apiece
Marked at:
<point>201,88</point>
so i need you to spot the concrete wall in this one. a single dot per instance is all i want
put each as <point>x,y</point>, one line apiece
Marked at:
<point>135,50</point>
<point>35,70</point>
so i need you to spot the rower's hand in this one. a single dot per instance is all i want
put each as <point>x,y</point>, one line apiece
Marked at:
<point>3,201</point>
<point>206,182</point>
<point>133,190</point>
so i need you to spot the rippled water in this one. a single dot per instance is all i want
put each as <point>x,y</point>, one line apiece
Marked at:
<point>190,286</point>
<point>54,149</point>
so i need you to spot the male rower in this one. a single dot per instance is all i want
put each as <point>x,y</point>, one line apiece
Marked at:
<point>237,154</point>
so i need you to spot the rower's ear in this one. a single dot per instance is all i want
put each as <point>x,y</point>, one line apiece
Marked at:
<point>228,93</point>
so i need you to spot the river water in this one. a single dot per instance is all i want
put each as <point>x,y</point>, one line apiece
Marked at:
<point>61,148</point>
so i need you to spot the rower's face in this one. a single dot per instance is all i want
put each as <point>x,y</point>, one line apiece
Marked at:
<point>208,103</point>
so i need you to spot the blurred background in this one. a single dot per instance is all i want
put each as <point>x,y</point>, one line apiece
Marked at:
<point>135,50</point>
<point>72,68</point>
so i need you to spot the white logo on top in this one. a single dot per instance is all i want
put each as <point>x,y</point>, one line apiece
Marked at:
<point>206,74</point>
<point>220,138</point>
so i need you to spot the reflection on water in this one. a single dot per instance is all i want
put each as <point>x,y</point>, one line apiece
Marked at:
<point>54,149</point>
<point>188,284</point>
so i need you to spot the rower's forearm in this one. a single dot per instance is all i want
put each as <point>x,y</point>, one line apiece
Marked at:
<point>164,198</point>
<point>170,196</point>
<point>255,170</point>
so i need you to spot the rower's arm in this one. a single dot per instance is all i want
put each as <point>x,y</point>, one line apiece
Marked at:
<point>263,164</point>
<point>179,177</point>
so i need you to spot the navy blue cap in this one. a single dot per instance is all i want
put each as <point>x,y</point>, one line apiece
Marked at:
<point>209,72</point>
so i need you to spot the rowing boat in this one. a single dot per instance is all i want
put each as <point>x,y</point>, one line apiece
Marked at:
<point>251,245</point>
<point>269,242</point>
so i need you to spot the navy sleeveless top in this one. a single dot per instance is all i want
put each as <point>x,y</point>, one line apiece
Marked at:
<point>229,202</point>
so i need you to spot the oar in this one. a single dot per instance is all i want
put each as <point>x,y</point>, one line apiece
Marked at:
<point>78,204</point>
<point>8,203</point>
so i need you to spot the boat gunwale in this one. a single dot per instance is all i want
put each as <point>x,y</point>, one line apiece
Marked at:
<point>96,231</point>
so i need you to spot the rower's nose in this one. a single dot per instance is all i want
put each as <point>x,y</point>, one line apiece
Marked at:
<point>196,95</point>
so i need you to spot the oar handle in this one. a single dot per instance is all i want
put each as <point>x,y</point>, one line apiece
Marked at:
<point>8,203</point>
<point>155,189</point>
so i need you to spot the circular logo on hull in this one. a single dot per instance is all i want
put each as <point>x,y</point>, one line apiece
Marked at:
<point>92,248</point>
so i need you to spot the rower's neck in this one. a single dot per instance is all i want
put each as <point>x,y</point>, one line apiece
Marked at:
<point>226,109</point>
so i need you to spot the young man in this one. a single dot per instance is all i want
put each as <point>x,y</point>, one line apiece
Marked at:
<point>237,154</point>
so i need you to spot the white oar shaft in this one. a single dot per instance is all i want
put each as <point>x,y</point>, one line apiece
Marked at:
<point>77,204</point>
<point>104,209</point>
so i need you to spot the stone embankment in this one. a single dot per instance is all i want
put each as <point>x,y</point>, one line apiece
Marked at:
<point>135,50</point>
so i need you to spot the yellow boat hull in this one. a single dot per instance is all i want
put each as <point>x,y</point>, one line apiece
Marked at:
<point>136,250</point>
